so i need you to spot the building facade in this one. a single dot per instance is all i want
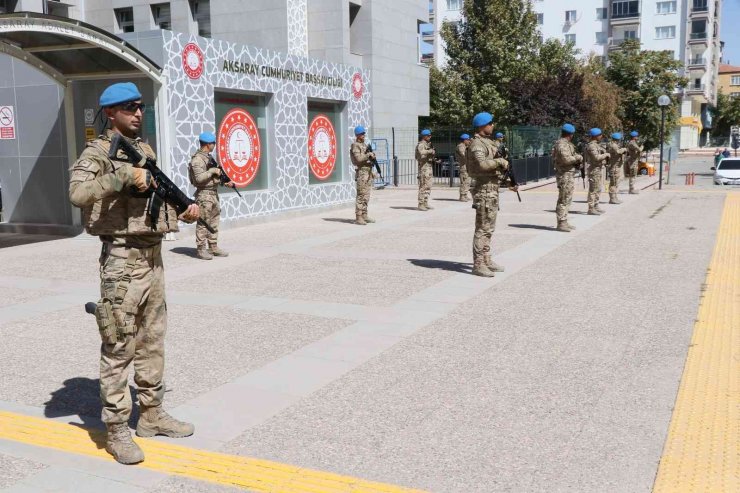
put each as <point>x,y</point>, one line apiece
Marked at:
<point>299,78</point>
<point>689,29</point>
<point>729,80</point>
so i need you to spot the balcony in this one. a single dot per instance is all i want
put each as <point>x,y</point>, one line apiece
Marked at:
<point>695,88</point>
<point>695,62</point>
<point>699,38</point>
<point>615,44</point>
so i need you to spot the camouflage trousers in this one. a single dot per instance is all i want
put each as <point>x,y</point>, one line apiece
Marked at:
<point>632,174</point>
<point>143,314</point>
<point>566,183</point>
<point>425,184</point>
<point>594,187</point>
<point>364,179</point>
<point>210,212</point>
<point>464,182</point>
<point>614,177</point>
<point>485,203</point>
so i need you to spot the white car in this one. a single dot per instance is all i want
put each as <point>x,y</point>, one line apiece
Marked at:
<point>727,172</point>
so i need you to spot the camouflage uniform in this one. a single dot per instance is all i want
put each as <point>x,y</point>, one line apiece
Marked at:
<point>206,182</point>
<point>565,160</point>
<point>424,157</point>
<point>360,157</point>
<point>460,156</point>
<point>133,317</point>
<point>488,171</point>
<point>614,168</point>
<point>595,158</point>
<point>633,157</point>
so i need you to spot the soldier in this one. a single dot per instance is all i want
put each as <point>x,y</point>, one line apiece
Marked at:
<point>596,157</point>
<point>633,157</point>
<point>488,171</point>
<point>132,313</point>
<point>361,157</point>
<point>499,139</point>
<point>205,176</point>
<point>614,167</point>
<point>565,160</point>
<point>460,154</point>
<point>425,157</point>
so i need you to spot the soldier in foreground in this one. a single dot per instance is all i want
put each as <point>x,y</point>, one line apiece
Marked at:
<point>425,157</point>
<point>489,173</point>
<point>615,166</point>
<point>361,157</point>
<point>206,176</point>
<point>566,160</point>
<point>633,157</point>
<point>596,157</point>
<point>460,155</point>
<point>132,313</point>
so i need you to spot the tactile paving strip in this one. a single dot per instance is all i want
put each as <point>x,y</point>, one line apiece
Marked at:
<point>702,451</point>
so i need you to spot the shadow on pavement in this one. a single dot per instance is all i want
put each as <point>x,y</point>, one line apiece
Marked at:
<point>81,397</point>
<point>16,239</point>
<point>404,208</point>
<point>443,265</point>
<point>187,251</point>
<point>569,212</point>
<point>533,226</point>
<point>339,220</point>
<point>448,200</point>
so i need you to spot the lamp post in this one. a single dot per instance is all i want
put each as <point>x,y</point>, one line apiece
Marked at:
<point>663,101</point>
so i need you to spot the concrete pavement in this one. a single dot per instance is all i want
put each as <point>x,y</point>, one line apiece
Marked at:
<point>371,352</point>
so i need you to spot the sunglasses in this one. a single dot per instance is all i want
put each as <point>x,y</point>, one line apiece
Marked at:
<point>133,106</point>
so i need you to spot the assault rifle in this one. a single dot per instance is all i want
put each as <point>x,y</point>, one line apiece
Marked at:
<point>165,189</point>
<point>504,152</point>
<point>223,177</point>
<point>374,162</point>
<point>582,166</point>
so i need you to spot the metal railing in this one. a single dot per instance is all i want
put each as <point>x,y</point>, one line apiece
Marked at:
<point>696,88</point>
<point>698,36</point>
<point>697,61</point>
<point>615,43</point>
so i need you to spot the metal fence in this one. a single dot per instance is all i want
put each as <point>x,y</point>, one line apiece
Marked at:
<point>529,148</point>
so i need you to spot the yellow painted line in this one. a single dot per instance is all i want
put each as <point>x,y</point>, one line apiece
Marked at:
<point>232,470</point>
<point>702,451</point>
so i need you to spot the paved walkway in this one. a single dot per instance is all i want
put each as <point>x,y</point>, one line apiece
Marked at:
<point>321,352</point>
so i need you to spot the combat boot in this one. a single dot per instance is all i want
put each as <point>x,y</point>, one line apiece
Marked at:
<point>563,226</point>
<point>614,200</point>
<point>360,221</point>
<point>429,207</point>
<point>217,252</point>
<point>121,446</point>
<point>422,207</point>
<point>156,421</point>
<point>599,209</point>
<point>204,254</point>
<point>464,199</point>
<point>569,226</point>
<point>594,212</point>
<point>368,220</point>
<point>492,266</point>
<point>482,270</point>
<point>634,192</point>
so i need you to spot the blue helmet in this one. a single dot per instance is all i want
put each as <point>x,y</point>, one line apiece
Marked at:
<point>119,93</point>
<point>499,135</point>
<point>207,138</point>
<point>617,136</point>
<point>634,133</point>
<point>464,137</point>
<point>359,130</point>
<point>594,132</point>
<point>568,128</point>
<point>426,132</point>
<point>482,119</point>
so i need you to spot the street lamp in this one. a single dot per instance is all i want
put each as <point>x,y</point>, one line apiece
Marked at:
<point>663,101</point>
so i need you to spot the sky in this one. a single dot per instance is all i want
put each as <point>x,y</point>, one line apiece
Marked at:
<point>729,32</point>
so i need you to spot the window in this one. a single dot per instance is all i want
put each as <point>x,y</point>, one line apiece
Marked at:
<point>570,16</point>
<point>125,19</point>
<point>454,4</point>
<point>540,19</point>
<point>161,15</point>
<point>700,5</point>
<point>600,38</point>
<point>601,14</point>
<point>630,35</point>
<point>201,12</point>
<point>666,7</point>
<point>735,95</point>
<point>7,6</point>
<point>665,32</point>
<point>735,80</point>
<point>570,38</point>
<point>625,8</point>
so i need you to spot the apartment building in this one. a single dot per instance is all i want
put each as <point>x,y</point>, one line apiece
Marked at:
<point>729,80</point>
<point>689,29</point>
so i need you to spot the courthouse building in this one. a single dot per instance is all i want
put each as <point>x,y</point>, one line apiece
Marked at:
<point>281,83</point>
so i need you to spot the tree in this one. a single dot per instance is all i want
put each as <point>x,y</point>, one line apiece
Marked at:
<point>643,76</point>
<point>725,114</point>
<point>602,99</point>
<point>447,106</point>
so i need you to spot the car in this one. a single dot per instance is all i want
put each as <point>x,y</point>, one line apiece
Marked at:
<point>727,171</point>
